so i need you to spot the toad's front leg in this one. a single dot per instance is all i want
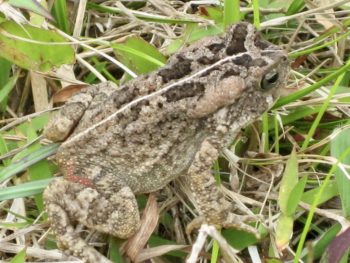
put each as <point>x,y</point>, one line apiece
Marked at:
<point>213,206</point>
<point>113,211</point>
<point>67,118</point>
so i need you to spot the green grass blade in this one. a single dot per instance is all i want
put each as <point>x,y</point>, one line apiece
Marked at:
<point>138,55</point>
<point>20,257</point>
<point>284,231</point>
<point>31,5</point>
<point>295,196</point>
<point>321,112</point>
<point>331,190</point>
<point>215,252</point>
<point>27,161</point>
<point>289,197</point>
<point>5,90</point>
<point>256,13</point>
<point>339,145</point>
<point>276,129</point>
<point>295,7</point>
<point>317,46</point>
<point>289,181</point>
<point>301,93</point>
<point>60,13</point>
<point>322,243</point>
<point>314,205</point>
<point>231,12</point>
<point>23,190</point>
<point>141,15</point>
<point>265,127</point>
<point>5,70</point>
<point>296,114</point>
<point>114,250</point>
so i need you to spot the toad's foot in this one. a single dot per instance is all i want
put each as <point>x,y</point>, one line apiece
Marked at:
<point>113,212</point>
<point>232,221</point>
<point>69,241</point>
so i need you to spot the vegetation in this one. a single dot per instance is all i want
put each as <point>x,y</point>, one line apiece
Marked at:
<point>290,169</point>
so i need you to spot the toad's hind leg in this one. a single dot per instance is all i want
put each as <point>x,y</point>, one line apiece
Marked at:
<point>68,203</point>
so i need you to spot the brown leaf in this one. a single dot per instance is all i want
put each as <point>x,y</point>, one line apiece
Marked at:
<point>149,222</point>
<point>298,61</point>
<point>203,11</point>
<point>64,94</point>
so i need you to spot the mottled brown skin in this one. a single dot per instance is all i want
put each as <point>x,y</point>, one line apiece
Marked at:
<point>135,139</point>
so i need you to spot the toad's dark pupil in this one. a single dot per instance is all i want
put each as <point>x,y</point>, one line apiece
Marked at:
<point>272,78</point>
<point>269,80</point>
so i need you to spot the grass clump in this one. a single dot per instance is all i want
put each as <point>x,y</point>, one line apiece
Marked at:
<point>293,164</point>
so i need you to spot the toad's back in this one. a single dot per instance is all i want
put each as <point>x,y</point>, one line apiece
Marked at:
<point>146,146</point>
<point>147,132</point>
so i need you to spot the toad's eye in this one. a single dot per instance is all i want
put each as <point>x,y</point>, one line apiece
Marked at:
<point>269,80</point>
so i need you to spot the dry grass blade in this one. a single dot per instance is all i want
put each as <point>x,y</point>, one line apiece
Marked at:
<point>228,253</point>
<point>35,252</point>
<point>150,253</point>
<point>149,222</point>
<point>12,13</point>
<point>39,90</point>
<point>283,20</point>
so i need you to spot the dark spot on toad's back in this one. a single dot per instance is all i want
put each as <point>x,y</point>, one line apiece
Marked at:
<point>216,47</point>
<point>230,73</point>
<point>247,61</point>
<point>207,60</point>
<point>260,43</point>
<point>177,71</point>
<point>186,90</point>
<point>236,43</point>
<point>244,60</point>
